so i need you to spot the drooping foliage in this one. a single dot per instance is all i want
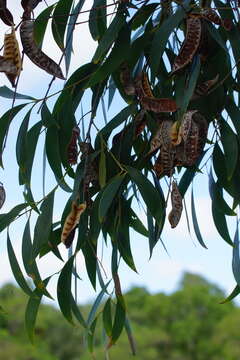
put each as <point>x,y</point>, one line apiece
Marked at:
<point>174,67</point>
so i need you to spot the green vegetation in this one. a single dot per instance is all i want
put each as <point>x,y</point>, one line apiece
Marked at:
<point>189,324</point>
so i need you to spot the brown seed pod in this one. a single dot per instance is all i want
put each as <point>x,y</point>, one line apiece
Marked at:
<point>177,206</point>
<point>158,105</point>
<point>211,15</point>
<point>146,85</point>
<point>5,14</point>
<point>72,149</point>
<point>175,135</point>
<point>164,165</point>
<point>2,196</point>
<point>194,138</point>
<point>203,88</point>
<point>126,79</point>
<point>227,24</point>
<point>7,66</point>
<point>12,54</point>
<point>161,137</point>
<point>190,44</point>
<point>140,122</point>
<point>72,221</point>
<point>34,53</point>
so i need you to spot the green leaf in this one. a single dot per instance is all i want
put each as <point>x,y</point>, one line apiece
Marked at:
<point>137,224</point>
<point>43,225</point>
<point>28,196</point>
<point>195,223</point>
<point>108,38</point>
<point>64,293</point>
<point>21,145</point>
<point>234,293</point>
<point>74,86</point>
<point>142,15</point>
<point>70,29</point>
<point>8,218</point>
<point>119,319</point>
<point>118,54</point>
<point>5,122</point>
<point>90,337</point>
<point>9,94</point>
<point>52,244</point>
<point>236,257</point>
<point>40,25</point>
<point>234,113</point>
<point>162,35</point>
<point>230,147</point>
<point>97,19</point>
<point>16,270</point>
<point>89,250</point>
<point>189,90</point>
<point>47,117</point>
<point>216,35</point>
<point>107,317</point>
<point>32,311</point>
<point>102,167</point>
<point>96,305</point>
<point>59,21</point>
<point>77,313</point>
<point>53,156</point>
<point>29,262</point>
<point>154,202</point>
<point>108,195</point>
<point>130,335</point>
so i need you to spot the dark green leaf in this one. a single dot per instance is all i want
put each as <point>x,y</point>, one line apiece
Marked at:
<point>107,317</point>
<point>142,15</point>
<point>108,195</point>
<point>8,218</point>
<point>230,147</point>
<point>9,94</point>
<point>130,336</point>
<point>97,19</point>
<point>59,21</point>
<point>150,195</point>
<point>16,270</point>
<point>109,37</point>
<point>32,310</point>
<point>40,25</point>
<point>233,294</point>
<point>195,223</point>
<point>77,313</point>
<point>64,293</point>
<point>96,305</point>
<point>43,225</point>
<point>102,167</point>
<point>119,319</point>
<point>21,145</point>
<point>236,257</point>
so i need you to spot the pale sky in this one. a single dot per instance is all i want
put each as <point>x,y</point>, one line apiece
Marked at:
<point>162,272</point>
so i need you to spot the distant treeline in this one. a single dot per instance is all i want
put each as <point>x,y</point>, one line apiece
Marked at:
<point>189,324</point>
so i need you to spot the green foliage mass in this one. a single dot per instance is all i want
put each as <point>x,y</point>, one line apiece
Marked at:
<point>189,324</point>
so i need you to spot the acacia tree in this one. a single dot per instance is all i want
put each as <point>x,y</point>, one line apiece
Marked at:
<point>175,65</point>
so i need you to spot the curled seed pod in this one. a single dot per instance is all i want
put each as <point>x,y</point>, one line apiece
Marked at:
<point>11,53</point>
<point>34,53</point>
<point>2,196</point>
<point>203,88</point>
<point>177,206</point>
<point>72,149</point>
<point>140,122</point>
<point>72,221</point>
<point>158,105</point>
<point>164,165</point>
<point>138,86</point>
<point>175,135</point>
<point>146,85</point>
<point>186,125</point>
<point>5,14</point>
<point>161,137</point>
<point>7,66</point>
<point>211,15</point>
<point>227,24</point>
<point>126,79</point>
<point>190,44</point>
<point>195,139</point>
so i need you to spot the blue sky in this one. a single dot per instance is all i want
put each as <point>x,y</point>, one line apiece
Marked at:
<point>163,271</point>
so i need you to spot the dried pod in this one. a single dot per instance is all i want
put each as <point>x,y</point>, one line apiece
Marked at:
<point>177,206</point>
<point>194,138</point>
<point>190,44</point>
<point>161,137</point>
<point>126,79</point>
<point>12,54</point>
<point>211,15</point>
<point>140,122</point>
<point>5,14</point>
<point>203,88</point>
<point>2,196</point>
<point>7,66</point>
<point>72,221</point>
<point>146,85</point>
<point>34,53</point>
<point>72,149</point>
<point>227,24</point>
<point>158,105</point>
<point>175,135</point>
<point>138,86</point>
